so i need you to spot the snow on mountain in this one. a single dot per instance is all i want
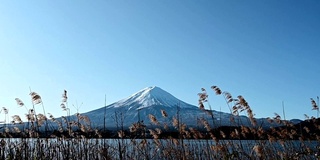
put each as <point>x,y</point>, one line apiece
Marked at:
<point>152,100</point>
<point>151,96</point>
<point>138,106</point>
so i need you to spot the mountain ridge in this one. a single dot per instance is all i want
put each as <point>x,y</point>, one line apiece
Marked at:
<point>153,100</point>
<point>138,106</point>
<point>150,96</point>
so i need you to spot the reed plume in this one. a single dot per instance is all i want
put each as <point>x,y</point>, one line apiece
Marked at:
<point>36,98</point>
<point>153,119</point>
<point>164,113</point>
<point>64,96</point>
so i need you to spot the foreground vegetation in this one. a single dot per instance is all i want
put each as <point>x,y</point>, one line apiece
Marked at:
<point>76,139</point>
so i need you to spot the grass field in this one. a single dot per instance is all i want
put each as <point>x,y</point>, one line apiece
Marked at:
<point>300,141</point>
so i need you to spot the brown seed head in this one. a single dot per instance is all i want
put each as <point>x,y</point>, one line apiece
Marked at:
<point>64,96</point>
<point>258,150</point>
<point>216,89</point>
<point>164,113</point>
<point>153,119</point>
<point>314,104</point>
<point>19,102</point>
<point>35,97</point>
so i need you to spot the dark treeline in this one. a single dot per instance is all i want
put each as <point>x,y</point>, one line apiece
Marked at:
<point>307,129</point>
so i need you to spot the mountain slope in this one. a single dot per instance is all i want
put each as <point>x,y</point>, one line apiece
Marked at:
<point>150,96</point>
<point>152,100</point>
<point>138,106</point>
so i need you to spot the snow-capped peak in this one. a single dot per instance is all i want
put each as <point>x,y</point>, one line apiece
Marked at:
<point>151,96</point>
<point>152,100</point>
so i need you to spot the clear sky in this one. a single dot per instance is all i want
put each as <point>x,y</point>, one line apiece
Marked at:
<point>267,51</point>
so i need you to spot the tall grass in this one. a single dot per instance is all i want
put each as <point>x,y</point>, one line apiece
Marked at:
<point>76,139</point>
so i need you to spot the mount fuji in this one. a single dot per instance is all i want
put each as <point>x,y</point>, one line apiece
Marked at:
<point>136,108</point>
<point>152,100</point>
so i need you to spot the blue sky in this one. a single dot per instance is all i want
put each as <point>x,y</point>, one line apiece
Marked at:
<point>266,51</point>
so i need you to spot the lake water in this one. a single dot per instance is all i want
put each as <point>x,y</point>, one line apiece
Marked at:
<point>56,148</point>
